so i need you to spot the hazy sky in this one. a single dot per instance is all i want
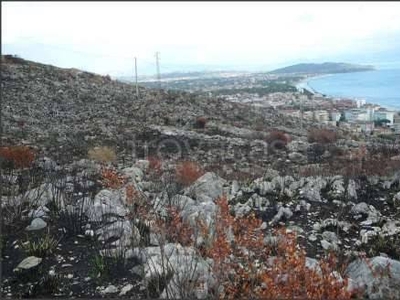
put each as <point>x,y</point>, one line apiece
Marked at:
<point>105,36</point>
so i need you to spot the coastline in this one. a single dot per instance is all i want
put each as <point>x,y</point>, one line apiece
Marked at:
<point>306,85</point>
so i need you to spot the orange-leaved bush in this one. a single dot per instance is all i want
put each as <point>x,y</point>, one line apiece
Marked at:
<point>246,268</point>
<point>111,179</point>
<point>188,172</point>
<point>155,165</point>
<point>17,156</point>
<point>201,122</point>
<point>278,139</point>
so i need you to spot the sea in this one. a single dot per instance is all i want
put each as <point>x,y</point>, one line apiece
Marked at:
<point>380,87</point>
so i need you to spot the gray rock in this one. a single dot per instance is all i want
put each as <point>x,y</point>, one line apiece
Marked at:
<point>142,164</point>
<point>363,275</point>
<point>28,263</point>
<point>337,186</point>
<point>298,146</point>
<point>312,190</point>
<point>391,227</point>
<point>365,209</point>
<point>282,212</point>
<point>235,187</point>
<point>360,208</point>
<point>242,210</point>
<point>266,188</point>
<point>40,212</point>
<point>297,157</point>
<point>127,233</point>
<point>134,174</point>
<point>330,236</point>
<point>352,190</point>
<point>126,289</point>
<point>111,289</point>
<point>270,174</point>
<point>209,185</point>
<point>36,224</point>
<point>106,202</point>
<point>181,263</point>
<point>328,246</point>
<point>396,199</point>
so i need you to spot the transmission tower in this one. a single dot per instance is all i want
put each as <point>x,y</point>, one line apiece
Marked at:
<point>158,68</point>
<point>137,89</point>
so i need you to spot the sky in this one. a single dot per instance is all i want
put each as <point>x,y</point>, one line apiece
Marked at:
<point>104,37</point>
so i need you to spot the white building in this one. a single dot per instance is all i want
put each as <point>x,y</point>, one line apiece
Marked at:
<point>360,102</point>
<point>384,114</point>
<point>396,124</point>
<point>335,115</point>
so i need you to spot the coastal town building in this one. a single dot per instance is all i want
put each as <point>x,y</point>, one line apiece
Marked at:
<point>396,124</point>
<point>385,115</point>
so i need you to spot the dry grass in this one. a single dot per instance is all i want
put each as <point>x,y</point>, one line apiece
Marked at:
<point>102,154</point>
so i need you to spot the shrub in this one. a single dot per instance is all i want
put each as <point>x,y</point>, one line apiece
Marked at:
<point>102,154</point>
<point>278,139</point>
<point>111,179</point>
<point>322,136</point>
<point>188,172</point>
<point>16,156</point>
<point>98,267</point>
<point>155,165</point>
<point>245,269</point>
<point>201,122</point>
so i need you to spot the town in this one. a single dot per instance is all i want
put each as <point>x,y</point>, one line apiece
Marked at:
<point>288,95</point>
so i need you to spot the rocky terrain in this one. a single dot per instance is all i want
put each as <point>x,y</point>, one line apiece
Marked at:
<point>68,232</point>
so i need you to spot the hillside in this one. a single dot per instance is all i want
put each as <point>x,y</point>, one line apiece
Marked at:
<point>174,195</point>
<point>323,68</point>
<point>74,110</point>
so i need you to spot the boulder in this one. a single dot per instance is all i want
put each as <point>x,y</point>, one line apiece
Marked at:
<point>36,224</point>
<point>182,264</point>
<point>379,277</point>
<point>28,263</point>
<point>106,202</point>
<point>209,185</point>
<point>134,174</point>
<point>126,233</point>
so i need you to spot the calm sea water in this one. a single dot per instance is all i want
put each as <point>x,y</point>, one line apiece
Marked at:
<point>381,87</point>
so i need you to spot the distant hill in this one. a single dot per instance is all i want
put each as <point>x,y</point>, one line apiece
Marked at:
<point>324,68</point>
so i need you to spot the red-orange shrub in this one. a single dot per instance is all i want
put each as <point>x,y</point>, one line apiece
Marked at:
<point>131,194</point>
<point>201,122</point>
<point>286,277</point>
<point>278,139</point>
<point>111,179</point>
<point>322,136</point>
<point>18,156</point>
<point>155,165</point>
<point>188,172</point>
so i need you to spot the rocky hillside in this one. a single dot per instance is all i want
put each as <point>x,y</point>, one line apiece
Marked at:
<point>197,183</point>
<point>67,111</point>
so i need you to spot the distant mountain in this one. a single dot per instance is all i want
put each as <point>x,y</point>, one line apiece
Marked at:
<point>324,68</point>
